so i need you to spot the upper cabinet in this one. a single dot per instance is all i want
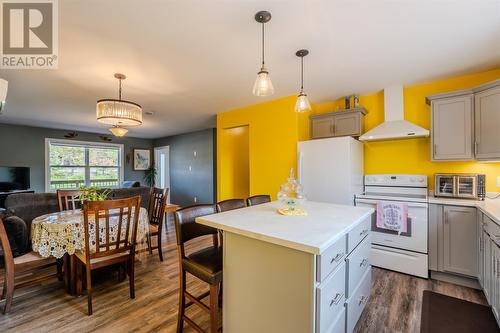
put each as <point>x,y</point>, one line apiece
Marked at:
<point>340,123</point>
<point>487,111</point>
<point>451,128</point>
<point>464,124</point>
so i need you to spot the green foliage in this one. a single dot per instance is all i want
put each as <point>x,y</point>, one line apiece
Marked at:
<point>150,176</point>
<point>94,194</point>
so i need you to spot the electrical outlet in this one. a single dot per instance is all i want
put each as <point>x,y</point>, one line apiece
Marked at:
<point>498,181</point>
<point>195,199</point>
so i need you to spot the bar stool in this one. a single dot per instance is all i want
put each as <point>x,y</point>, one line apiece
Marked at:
<point>205,264</point>
<point>223,206</point>
<point>258,199</point>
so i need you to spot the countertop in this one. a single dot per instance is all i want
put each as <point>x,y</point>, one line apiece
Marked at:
<point>314,233</point>
<point>490,207</point>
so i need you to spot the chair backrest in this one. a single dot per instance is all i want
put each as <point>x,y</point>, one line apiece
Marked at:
<point>69,199</point>
<point>230,204</point>
<point>7,252</point>
<point>258,199</point>
<point>111,225</point>
<point>157,202</point>
<point>185,226</point>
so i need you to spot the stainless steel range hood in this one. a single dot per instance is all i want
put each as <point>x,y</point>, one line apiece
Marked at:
<point>394,125</point>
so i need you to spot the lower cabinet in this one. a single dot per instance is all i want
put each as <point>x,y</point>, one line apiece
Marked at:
<point>454,246</point>
<point>489,273</point>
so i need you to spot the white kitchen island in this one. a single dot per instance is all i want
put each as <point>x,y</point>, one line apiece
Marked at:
<point>294,273</point>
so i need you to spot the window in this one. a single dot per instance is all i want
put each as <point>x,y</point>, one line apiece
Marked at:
<point>71,164</point>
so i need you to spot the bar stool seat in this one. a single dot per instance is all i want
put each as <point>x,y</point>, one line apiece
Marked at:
<point>205,264</point>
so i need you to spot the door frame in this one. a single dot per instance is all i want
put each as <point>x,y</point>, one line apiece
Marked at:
<point>156,150</point>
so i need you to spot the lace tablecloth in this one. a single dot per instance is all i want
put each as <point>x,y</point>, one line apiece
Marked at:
<point>59,233</point>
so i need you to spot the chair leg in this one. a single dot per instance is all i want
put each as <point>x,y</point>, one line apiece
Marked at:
<point>8,290</point>
<point>131,276</point>
<point>182,301</point>
<point>79,282</point>
<point>4,289</point>
<point>160,249</point>
<point>148,240</point>
<point>214,308</point>
<point>89,289</point>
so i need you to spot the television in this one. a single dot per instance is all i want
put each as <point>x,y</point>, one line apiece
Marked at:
<point>14,178</point>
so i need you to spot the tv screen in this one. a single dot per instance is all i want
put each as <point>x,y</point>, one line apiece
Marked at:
<point>14,178</point>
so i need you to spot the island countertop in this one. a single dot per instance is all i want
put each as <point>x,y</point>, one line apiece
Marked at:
<point>324,224</point>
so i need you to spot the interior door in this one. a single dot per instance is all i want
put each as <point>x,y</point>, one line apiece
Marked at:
<point>162,164</point>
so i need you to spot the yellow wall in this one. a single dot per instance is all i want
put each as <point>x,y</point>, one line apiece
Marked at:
<point>277,128</point>
<point>272,144</point>
<point>234,163</point>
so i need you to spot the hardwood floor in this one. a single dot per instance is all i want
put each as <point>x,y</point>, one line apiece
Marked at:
<point>394,305</point>
<point>396,301</point>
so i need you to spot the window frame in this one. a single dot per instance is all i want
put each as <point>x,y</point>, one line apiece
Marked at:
<point>86,144</point>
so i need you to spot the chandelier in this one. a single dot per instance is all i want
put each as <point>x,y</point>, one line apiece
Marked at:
<point>118,112</point>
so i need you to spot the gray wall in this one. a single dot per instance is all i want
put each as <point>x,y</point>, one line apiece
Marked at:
<point>200,181</point>
<point>25,146</point>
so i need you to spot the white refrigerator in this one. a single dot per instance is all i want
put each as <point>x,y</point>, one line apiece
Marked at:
<point>331,170</point>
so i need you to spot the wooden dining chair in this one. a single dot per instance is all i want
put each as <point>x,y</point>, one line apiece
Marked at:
<point>223,206</point>
<point>258,199</point>
<point>27,263</point>
<point>205,264</point>
<point>69,199</point>
<point>157,202</point>
<point>113,225</point>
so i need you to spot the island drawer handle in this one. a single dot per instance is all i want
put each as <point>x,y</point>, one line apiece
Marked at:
<point>365,231</point>
<point>337,257</point>
<point>337,299</point>
<point>364,262</point>
<point>362,299</point>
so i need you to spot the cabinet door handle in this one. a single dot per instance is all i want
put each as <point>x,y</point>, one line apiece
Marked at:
<point>476,147</point>
<point>362,233</point>
<point>435,149</point>
<point>364,262</point>
<point>445,217</point>
<point>337,299</point>
<point>337,257</point>
<point>362,299</point>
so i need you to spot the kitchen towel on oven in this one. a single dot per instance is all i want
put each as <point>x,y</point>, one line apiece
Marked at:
<point>392,216</point>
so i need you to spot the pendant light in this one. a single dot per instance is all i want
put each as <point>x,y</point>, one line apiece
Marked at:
<point>263,85</point>
<point>302,104</point>
<point>118,131</point>
<point>119,112</point>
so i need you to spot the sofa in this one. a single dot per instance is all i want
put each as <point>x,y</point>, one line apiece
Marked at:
<point>26,206</point>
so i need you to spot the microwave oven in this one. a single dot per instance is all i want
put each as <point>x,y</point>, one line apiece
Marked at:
<point>466,186</point>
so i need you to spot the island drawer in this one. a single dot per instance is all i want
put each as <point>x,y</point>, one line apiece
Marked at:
<point>327,261</point>
<point>358,262</point>
<point>356,235</point>
<point>339,325</point>
<point>330,298</point>
<point>356,303</point>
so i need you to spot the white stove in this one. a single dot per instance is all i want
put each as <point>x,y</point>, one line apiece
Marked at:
<point>404,252</point>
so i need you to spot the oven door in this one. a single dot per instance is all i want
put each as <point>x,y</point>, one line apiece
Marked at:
<point>415,239</point>
<point>467,187</point>
<point>444,185</point>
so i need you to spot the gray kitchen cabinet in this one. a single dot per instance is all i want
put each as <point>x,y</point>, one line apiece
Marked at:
<point>451,128</point>
<point>481,240</point>
<point>487,124</point>
<point>460,240</point>
<point>453,240</point>
<point>339,123</point>
<point>464,124</point>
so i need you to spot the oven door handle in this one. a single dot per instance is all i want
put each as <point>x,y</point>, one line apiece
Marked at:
<point>410,204</point>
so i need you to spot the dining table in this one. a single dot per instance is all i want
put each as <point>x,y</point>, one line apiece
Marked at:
<point>61,235</point>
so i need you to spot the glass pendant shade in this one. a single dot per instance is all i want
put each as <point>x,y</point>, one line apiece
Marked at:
<point>118,131</point>
<point>302,104</point>
<point>118,112</point>
<point>263,85</point>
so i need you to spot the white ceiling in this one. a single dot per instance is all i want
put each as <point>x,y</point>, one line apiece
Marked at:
<point>187,60</point>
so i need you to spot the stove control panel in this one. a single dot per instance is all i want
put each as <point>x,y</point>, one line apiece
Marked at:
<point>396,180</point>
